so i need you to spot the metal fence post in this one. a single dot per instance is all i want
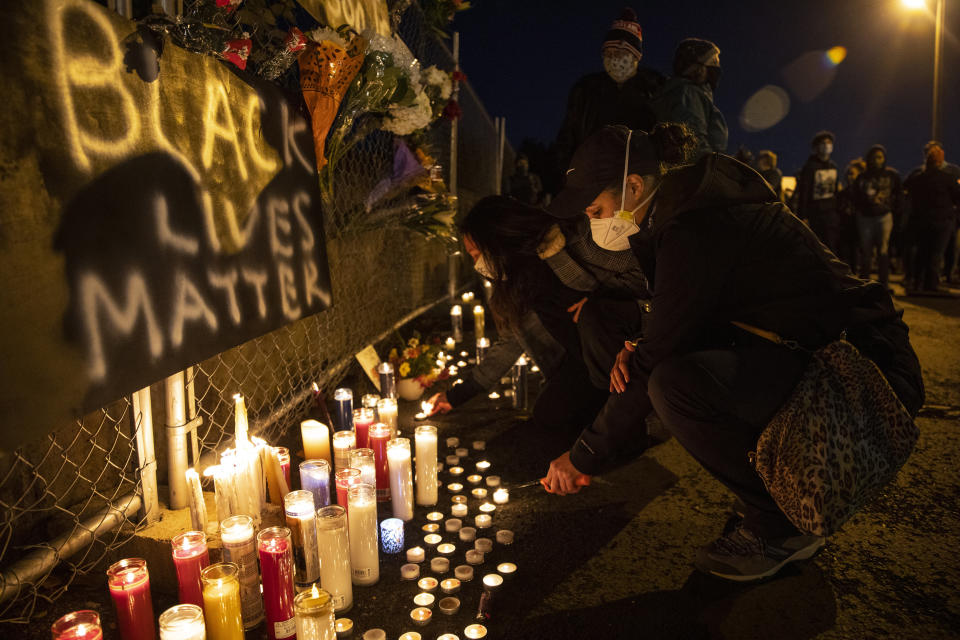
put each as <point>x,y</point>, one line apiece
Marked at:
<point>176,440</point>
<point>142,418</point>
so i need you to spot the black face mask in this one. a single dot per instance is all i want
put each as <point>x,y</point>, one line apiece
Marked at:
<point>713,77</point>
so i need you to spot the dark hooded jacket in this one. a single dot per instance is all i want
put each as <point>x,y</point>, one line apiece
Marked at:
<point>934,194</point>
<point>682,100</point>
<point>817,188</point>
<point>718,247</point>
<point>878,192</point>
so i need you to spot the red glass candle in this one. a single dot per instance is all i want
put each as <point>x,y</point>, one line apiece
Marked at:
<point>190,556</point>
<point>346,478</point>
<point>129,584</point>
<point>276,567</point>
<point>283,455</point>
<point>379,436</point>
<point>79,625</point>
<point>362,419</point>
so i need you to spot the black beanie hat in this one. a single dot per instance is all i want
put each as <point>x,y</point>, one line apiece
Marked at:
<point>692,51</point>
<point>625,34</point>
<point>823,135</point>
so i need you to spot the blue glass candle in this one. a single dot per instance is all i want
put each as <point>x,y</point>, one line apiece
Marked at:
<point>391,535</point>
<point>388,381</point>
<point>315,478</point>
<point>343,400</point>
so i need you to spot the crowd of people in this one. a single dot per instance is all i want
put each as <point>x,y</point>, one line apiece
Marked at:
<point>667,277</point>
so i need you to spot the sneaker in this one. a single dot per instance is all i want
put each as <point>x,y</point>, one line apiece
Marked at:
<point>743,557</point>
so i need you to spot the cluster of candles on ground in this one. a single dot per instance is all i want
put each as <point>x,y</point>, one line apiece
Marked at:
<point>308,568</point>
<point>479,326</point>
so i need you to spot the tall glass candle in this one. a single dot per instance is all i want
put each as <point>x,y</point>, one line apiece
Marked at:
<point>129,584</point>
<point>190,556</point>
<point>314,610</point>
<point>343,401</point>
<point>346,478</point>
<point>482,345</point>
<point>221,602</point>
<point>456,322</point>
<point>369,401</point>
<point>183,622</point>
<point>388,381</point>
<point>478,321</point>
<point>79,625</point>
<point>387,410</point>
<point>238,539</point>
<point>276,564</point>
<point>315,478</point>
<point>401,478</point>
<point>302,522</point>
<point>425,437</point>
<point>316,440</point>
<point>518,378</point>
<point>363,460</point>
<point>380,434</point>
<point>362,419</point>
<point>335,576</point>
<point>362,516</point>
<point>343,443</point>
<point>283,457</point>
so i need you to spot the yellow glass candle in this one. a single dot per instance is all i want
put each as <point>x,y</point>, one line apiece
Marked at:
<point>221,601</point>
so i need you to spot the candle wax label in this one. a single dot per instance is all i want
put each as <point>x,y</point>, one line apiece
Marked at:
<point>338,601</point>
<point>362,573</point>
<point>285,629</point>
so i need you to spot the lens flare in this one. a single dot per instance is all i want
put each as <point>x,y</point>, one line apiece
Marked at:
<point>836,55</point>
<point>765,108</point>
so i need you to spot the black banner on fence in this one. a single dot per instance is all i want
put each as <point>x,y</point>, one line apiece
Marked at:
<point>156,207</point>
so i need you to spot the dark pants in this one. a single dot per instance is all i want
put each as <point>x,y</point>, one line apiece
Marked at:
<point>932,240</point>
<point>604,325</point>
<point>827,226</point>
<point>568,402</point>
<point>716,403</point>
<point>950,255</point>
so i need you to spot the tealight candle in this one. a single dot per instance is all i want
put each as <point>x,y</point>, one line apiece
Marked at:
<point>462,452</point>
<point>501,495</point>
<point>428,583</point>
<point>492,581</point>
<point>375,634</point>
<point>475,478</point>
<point>454,487</point>
<point>453,525</point>
<point>446,548</point>
<point>493,481</point>
<point>453,460</point>
<point>464,573</point>
<point>343,628</point>
<point>458,499</point>
<point>467,296</point>
<point>424,599</point>
<point>475,631</point>
<point>507,569</point>
<point>474,557</point>
<point>484,545</point>
<point>434,516</point>
<point>410,635</point>
<point>468,534</point>
<point>416,554</point>
<point>448,636</point>
<point>483,465</point>
<point>493,395</point>
<point>314,611</point>
<point>432,527</point>
<point>391,535</point>
<point>449,605</point>
<point>410,571</point>
<point>505,536</point>
<point>421,616</point>
<point>85,625</point>
<point>450,344</point>
<point>440,565</point>
<point>432,539</point>
<point>479,445</point>
<point>455,471</point>
<point>483,521</point>
<point>180,622</point>
<point>479,493</point>
<point>464,354</point>
<point>450,585</point>
<point>487,507</point>
<point>459,510</point>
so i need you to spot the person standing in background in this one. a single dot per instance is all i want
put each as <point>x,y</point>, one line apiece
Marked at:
<point>817,191</point>
<point>849,235</point>
<point>525,185</point>
<point>687,97</point>
<point>767,167</point>
<point>878,196</point>
<point>619,95</point>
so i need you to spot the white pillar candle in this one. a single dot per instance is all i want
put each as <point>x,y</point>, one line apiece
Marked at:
<point>456,322</point>
<point>425,437</point>
<point>335,574</point>
<point>387,410</point>
<point>478,321</point>
<point>316,440</point>
<point>302,521</point>
<point>198,508</point>
<point>483,344</point>
<point>401,478</point>
<point>501,495</point>
<point>343,443</point>
<point>362,516</point>
<point>415,554</point>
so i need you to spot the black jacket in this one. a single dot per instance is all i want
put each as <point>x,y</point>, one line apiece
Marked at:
<point>934,195</point>
<point>719,247</point>
<point>878,192</point>
<point>817,188</point>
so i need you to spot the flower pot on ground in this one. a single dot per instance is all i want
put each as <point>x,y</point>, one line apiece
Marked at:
<point>409,389</point>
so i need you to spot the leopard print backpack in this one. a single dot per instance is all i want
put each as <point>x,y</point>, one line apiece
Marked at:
<point>837,441</point>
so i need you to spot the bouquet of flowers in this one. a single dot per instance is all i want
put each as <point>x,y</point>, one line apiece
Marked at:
<point>418,360</point>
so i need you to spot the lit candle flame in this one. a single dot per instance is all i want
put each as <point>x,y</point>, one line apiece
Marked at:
<point>314,593</point>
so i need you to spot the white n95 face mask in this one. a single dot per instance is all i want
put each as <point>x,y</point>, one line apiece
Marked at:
<point>613,234</point>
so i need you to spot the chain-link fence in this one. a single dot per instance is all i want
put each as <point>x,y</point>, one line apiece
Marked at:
<point>71,498</point>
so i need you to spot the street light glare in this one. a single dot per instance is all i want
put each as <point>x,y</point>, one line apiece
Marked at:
<point>914,4</point>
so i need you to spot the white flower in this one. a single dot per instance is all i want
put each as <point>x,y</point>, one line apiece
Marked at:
<point>403,121</point>
<point>325,33</point>
<point>441,79</point>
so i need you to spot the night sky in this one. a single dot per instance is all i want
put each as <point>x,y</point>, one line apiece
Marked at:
<point>522,57</point>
